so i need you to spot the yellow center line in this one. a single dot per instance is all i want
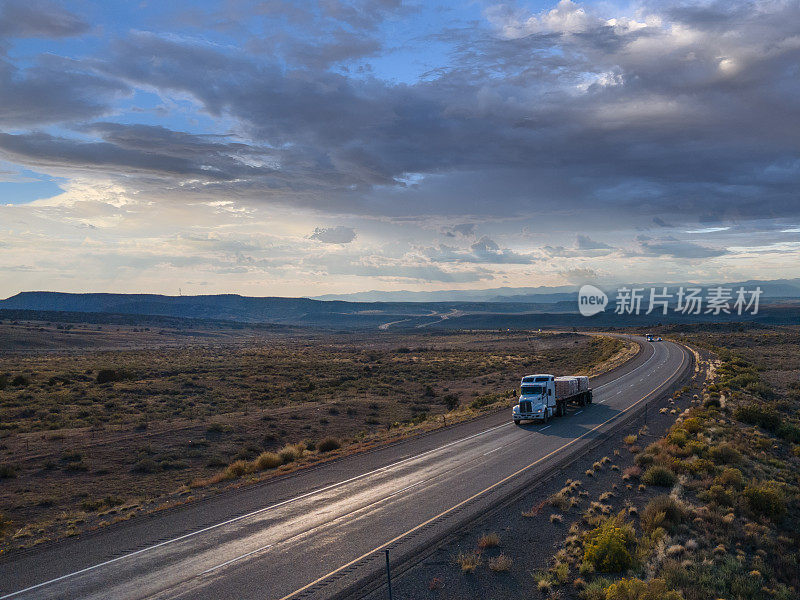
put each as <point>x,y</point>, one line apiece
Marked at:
<point>482,492</point>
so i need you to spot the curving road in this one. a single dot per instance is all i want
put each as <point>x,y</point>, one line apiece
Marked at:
<point>322,531</point>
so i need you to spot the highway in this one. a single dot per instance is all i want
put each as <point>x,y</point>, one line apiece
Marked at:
<point>321,531</point>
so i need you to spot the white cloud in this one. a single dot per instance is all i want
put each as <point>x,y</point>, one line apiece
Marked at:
<point>334,235</point>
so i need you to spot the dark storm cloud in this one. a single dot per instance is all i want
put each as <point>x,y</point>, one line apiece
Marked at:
<point>54,90</point>
<point>138,148</point>
<point>565,111</point>
<point>38,18</point>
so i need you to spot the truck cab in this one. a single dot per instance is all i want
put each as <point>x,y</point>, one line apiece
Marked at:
<point>537,399</point>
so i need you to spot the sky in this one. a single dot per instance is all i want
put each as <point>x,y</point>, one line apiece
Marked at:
<point>302,148</point>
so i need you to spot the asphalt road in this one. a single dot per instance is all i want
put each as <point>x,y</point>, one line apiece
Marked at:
<point>319,532</point>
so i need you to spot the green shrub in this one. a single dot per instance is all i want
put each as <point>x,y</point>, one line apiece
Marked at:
<point>726,454</point>
<point>679,437</point>
<point>765,499</point>
<point>111,375</point>
<point>636,589</point>
<point>660,476</point>
<point>790,432</point>
<point>450,401</point>
<point>146,465</point>
<point>20,380</point>
<point>753,414</point>
<point>218,428</point>
<point>596,589</point>
<point>717,493</point>
<point>699,466</point>
<point>607,547</point>
<point>731,477</point>
<point>484,400</point>
<point>662,511</point>
<point>329,444</point>
<point>696,448</point>
<point>692,424</point>
<point>5,524</point>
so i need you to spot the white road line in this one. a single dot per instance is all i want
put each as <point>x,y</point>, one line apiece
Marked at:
<point>233,560</point>
<point>546,427</point>
<point>284,502</point>
<point>579,412</point>
<point>240,517</point>
<point>484,491</point>
<point>490,451</point>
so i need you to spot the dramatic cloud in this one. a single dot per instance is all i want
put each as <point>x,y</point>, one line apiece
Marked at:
<point>461,145</point>
<point>38,18</point>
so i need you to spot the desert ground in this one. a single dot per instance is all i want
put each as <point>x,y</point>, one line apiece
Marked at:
<point>102,422</point>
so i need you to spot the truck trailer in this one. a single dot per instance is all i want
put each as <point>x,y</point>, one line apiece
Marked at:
<point>543,396</point>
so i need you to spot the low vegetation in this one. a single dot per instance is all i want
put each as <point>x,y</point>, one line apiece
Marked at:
<point>153,416</point>
<point>717,513</point>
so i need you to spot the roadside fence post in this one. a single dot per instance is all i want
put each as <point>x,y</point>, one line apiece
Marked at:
<point>388,574</point>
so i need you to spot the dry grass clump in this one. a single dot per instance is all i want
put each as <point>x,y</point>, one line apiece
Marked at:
<point>488,540</point>
<point>501,563</point>
<point>268,460</point>
<point>291,452</point>
<point>329,444</point>
<point>535,510</point>
<point>564,499</point>
<point>469,561</point>
<point>237,469</point>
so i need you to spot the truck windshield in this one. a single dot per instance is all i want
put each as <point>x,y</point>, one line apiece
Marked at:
<point>528,390</point>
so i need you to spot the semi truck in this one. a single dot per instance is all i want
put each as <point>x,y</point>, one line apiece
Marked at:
<point>543,396</point>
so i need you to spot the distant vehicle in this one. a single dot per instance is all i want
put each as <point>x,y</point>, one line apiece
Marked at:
<point>648,337</point>
<point>544,396</point>
<point>658,339</point>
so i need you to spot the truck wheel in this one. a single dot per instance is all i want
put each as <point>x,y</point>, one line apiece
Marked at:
<point>516,421</point>
<point>582,401</point>
<point>546,416</point>
<point>589,398</point>
<point>560,409</point>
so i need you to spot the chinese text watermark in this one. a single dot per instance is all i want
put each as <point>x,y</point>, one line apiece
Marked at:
<point>661,300</point>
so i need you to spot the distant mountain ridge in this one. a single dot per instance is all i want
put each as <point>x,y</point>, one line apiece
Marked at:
<point>250,309</point>
<point>778,288</point>
<point>543,309</point>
